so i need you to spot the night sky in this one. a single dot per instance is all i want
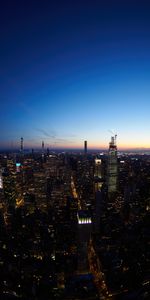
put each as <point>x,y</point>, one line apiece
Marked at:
<point>75,70</point>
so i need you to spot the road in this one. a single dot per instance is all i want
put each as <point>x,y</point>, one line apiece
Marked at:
<point>75,194</point>
<point>96,270</point>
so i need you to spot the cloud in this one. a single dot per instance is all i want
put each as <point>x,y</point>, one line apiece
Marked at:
<point>72,135</point>
<point>59,141</point>
<point>52,134</point>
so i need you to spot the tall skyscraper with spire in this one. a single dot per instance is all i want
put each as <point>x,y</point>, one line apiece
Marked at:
<point>112,170</point>
<point>21,159</point>
<point>21,145</point>
<point>42,149</point>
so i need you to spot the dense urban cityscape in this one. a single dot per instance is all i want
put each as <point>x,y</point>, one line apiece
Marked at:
<point>74,225</point>
<point>75,150</point>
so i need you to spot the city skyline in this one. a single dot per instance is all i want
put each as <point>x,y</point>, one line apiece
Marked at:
<point>16,146</point>
<point>72,72</point>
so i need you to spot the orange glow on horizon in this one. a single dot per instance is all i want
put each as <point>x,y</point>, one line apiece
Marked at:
<point>80,145</point>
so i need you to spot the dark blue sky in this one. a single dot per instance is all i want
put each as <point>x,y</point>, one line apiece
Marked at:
<point>72,70</point>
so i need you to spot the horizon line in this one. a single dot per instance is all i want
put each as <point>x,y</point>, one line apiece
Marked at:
<point>74,148</point>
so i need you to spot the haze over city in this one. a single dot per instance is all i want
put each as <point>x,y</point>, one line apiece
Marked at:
<point>74,71</point>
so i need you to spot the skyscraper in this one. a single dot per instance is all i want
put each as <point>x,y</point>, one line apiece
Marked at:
<point>85,147</point>
<point>98,176</point>
<point>112,166</point>
<point>42,149</point>
<point>21,145</point>
<point>21,156</point>
<point>84,232</point>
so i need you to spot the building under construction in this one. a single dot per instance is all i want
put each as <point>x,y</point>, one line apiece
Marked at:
<point>112,166</point>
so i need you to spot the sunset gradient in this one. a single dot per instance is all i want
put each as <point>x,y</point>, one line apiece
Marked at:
<point>74,71</point>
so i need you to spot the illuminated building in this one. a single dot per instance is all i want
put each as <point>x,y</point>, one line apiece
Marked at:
<point>98,174</point>
<point>1,181</point>
<point>18,166</point>
<point>9,183</point>
<point>11,166</point>
<point>1,190</point>
<point>9,189</point>
<point>98,170</point>
<point>83,218</point>
<point>40,190</point>
<point>42,149</point>
<point>21,150</point>
<point>112,166</point>
<point>84,232</point>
